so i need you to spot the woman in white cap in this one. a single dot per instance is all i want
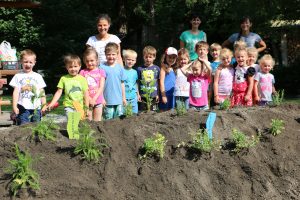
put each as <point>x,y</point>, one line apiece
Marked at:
<point>167,79</point>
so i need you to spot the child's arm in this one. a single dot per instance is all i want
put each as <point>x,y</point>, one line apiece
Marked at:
<point>255,91</point>
<point>139,98</point>
<point>43,98</point>
<point>99,92</point>
<point>273,89</point>
<point>185,68</point>
<point>216,85</point>
<point>15,100</point>
<point>55,98</point>
<point>123,93</point>
<point>162,85</point>
<point>86,98</point>
<point>250,88</point>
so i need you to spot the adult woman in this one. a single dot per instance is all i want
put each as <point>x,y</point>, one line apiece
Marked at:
<point>189,38</point>
<point>250,38</point>
<point>100,40</point>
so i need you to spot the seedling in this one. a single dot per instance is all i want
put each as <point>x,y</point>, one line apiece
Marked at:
<point>87,146</point>
<point>278,97</point>
<point>277,126</point>
<point>242,141</point>
<point>225,105</point>
<point>148,88</point>
<point>154,146</point>
<point>128,110</point>
<point>44,130</point>
<point>37,94</point>
<point>180,108</point>
<point>202,142</point>
<point>21,172</point>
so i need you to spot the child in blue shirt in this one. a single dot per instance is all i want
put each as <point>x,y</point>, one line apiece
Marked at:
<point>131,87</point>
<point>114,88</point>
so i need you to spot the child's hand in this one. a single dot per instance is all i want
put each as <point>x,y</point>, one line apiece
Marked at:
<point>256,98</point>
<point>124,102</point>
<point>164,100</point>
<point>139,98</point>
<point>157,99</point>
<point>16,110</point>
<point>217,100</point>
<point>104,103</point>
<point>92,102</point>
<point>247,97</point>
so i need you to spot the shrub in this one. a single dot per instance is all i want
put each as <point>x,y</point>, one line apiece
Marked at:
<point>242,141</point>
<point>154,146</point>
<point>277,126</point>
<point>202,142</point>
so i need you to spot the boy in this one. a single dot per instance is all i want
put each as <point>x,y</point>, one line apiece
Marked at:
<point>28,94</point>
<point>114,88</point>
<point>131,88</point>
<point>74,86</point>
<point>148,77</point>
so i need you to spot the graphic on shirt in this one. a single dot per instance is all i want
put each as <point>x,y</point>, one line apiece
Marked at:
<point>75,93</point>
<point>196,89</point>
<point>239,76</point>
<point>91,81</point>
<point>148,75</point>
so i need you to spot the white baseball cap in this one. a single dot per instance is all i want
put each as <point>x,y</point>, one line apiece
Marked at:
<point>171,51</point>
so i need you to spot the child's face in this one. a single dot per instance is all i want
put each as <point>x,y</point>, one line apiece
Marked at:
<point>183,60</point>
<point>226,60</point>
<point>266,66</point>
<point>91,61</point>
<point>148,59</point>
<point>73,68</point>
<point>171,59</point>
<point>111,57</point>
<point>196,70</point>
<point>215,53</point>
<point>28,62</point>
<point>202,52</point>
<point>130,61</point>
<point>251,58</point>
<point>241,58</point>
<point>103,26</point>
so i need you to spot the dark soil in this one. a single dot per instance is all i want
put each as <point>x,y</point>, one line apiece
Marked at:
<point>270,170</point>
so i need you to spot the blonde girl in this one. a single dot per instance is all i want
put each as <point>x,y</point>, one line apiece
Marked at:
<point>167,79</point>
<point>182,86</point>
<point>223,77</point>
<point>96,79</point>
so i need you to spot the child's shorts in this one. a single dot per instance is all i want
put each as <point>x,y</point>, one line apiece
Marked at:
<point>192,107</point>
<point>113,111</point>
<point>185,100</point>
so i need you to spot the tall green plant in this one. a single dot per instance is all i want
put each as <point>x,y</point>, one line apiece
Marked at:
<point>147,90</point>
<point>22,174</point>
<point>278,97</point>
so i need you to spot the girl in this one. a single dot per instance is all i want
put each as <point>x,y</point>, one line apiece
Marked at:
<point>223,77</point>
<point>96,79</point>
<point>189,38</point>
<point>199,81</point>
<point>100,40</point>
<point>264,81</point>
<point>182,86</point>
<point>243,80</point>
<point>252,58</point>
<point>167,79</point>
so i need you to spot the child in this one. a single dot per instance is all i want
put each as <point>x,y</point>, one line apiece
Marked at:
<point>148,77</point>
<point>74,86</point>
<point>243,80</point>
<point>167,79</point>
<point>240,44</point>
<point>131,87</point>
<point>114,89</point>
<point>264,81</point>
<point>252,58</point>
<point>182,86</point>
<point>224,77</point>
<point>201,49</point>
<point>215,49</point>
<point>199,81</point>
<point>28,94</point>
<point>95,78</point>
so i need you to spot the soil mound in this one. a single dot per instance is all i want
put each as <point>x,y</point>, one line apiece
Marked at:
<point>270,170</point>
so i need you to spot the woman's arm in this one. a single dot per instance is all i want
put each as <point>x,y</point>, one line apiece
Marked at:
<point>181,44</point>
<point>262,46</point>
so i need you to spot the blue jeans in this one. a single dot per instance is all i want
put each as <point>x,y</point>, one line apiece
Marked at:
<point>185,100</point>
<point>28,115</point>
<point>134,104</point>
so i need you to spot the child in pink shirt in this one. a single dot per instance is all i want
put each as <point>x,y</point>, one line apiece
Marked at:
<point>96,79</point>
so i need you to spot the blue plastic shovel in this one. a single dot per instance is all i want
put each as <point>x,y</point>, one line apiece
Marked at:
<point>210,124</point>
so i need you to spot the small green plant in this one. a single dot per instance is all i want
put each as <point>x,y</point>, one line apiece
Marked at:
<point>180,108</point>
<point>242,141</point>
<point>225,105</point>
<point>154,146</point>
<point>201,141</point>
<point>87,146</point>
<point>22,174</point>
<point>278,97</point>
<point>128,110</point>
<point>44,130</point>
<point>148,88</point>
<point>277,126</point>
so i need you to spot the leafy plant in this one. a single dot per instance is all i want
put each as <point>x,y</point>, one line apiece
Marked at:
<point>180,108</point>
<point>44,130</point>
<point>128,110</point>
<point>154,146</point>
<point>148,88</point>
<point>22,174</point>
<point>202,142</point>
<point>87,145</point>
<point>242,141</point>
<point>277,126</point>
<point>225,105</point>
<point>278,97</point>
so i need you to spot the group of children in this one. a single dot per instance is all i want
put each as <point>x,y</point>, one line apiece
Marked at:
<point>108,87</point>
